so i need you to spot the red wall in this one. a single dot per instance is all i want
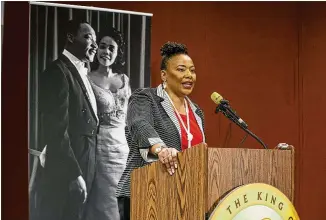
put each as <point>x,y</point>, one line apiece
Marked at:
<point>312,175</point>
<point>267,59</point>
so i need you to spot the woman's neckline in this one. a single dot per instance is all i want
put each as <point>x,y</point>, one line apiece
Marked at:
<point>105,89</point>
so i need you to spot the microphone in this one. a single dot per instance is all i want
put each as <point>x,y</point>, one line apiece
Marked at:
<point>223,106</point>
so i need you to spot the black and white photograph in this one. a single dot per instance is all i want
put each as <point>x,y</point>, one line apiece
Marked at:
<point>84,63</point>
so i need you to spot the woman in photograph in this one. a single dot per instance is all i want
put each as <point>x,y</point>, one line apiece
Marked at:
<point>162,121</point>
<point>112,91</point>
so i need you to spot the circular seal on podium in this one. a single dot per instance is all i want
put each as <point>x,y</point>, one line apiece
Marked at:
<point>257,201</point>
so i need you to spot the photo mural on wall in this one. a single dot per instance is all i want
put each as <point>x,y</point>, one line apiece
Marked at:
<point>84,63</point>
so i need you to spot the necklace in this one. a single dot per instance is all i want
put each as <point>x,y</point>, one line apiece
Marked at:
<point>189,135</point>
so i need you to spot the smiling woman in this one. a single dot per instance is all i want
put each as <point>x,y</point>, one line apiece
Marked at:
<point>162,121</point>
<point>112,91</point>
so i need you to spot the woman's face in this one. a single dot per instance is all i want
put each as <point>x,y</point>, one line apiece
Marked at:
<point>180,75</point>
<point>107,51</point>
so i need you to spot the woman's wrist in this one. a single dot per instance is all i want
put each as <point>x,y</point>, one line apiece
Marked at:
<point>157,148</point>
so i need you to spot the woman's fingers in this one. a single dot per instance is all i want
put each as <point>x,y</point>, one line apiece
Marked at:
<point>174,156</point>
<point>168,157</point>
<point>168,166</point>
<point>164,158</point>
<point>171,163</point>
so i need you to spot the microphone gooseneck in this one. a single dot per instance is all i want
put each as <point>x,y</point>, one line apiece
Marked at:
<point>224,107</point>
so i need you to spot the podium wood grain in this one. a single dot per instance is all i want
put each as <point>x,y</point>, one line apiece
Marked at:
<point>203,176</point>
<point>157,195</point>
<point>230,167</point>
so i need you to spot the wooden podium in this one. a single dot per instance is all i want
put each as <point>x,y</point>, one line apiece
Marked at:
<point>203,176</point>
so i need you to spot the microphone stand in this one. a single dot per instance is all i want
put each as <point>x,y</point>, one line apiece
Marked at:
<point>232,117</point>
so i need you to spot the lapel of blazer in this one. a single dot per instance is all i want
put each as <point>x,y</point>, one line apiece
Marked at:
<point>198,115</point>
<point>80,81</point>
<point>168,108</point>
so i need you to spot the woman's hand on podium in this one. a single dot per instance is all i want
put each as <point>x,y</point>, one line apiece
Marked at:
<point>168,157</point>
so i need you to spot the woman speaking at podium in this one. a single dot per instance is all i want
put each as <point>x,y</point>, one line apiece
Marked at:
<point>162,121</point>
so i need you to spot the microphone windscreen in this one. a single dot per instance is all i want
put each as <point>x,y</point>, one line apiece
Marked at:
<point>216,98</point>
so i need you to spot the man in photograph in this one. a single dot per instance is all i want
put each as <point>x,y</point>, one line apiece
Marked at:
<point>69,124</point>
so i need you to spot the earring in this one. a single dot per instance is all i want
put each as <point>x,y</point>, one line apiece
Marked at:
<point>164,84</point>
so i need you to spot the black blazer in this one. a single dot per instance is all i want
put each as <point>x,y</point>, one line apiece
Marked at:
<point>69,122</point>
<point>151,120</point>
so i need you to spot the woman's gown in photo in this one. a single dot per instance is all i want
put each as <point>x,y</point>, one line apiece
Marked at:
<point>112,151</point>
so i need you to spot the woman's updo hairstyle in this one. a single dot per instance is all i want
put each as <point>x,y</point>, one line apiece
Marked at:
<point>170,49</point>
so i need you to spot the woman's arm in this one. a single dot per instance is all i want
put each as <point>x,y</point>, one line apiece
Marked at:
<point>140,119</point>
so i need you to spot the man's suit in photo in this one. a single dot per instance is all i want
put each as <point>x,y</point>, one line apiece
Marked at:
<point>70,125</point>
